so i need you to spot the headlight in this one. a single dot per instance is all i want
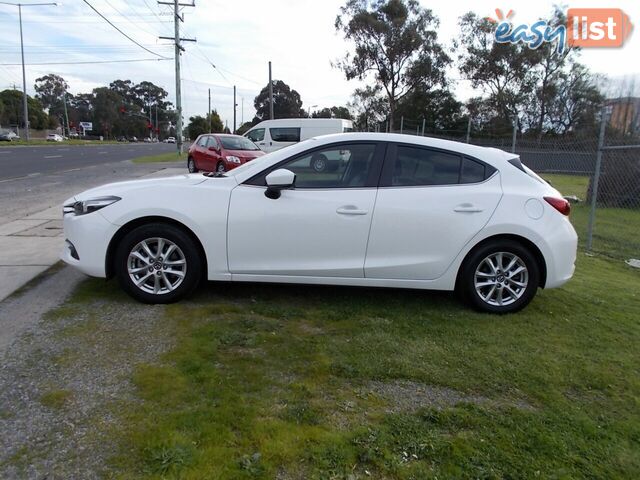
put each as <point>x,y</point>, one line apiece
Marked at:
<point>233,159</point>
<point>87,206</point>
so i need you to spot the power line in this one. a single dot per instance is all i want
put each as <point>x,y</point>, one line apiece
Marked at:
<point>127,36</point>
<point>90,62</point>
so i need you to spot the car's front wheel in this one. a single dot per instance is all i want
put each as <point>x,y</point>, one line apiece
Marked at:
<point>500,277</point>
<point>158,263</point>
<point>191,165</point>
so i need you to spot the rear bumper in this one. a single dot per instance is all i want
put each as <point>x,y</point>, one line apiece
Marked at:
<point>562,245</point>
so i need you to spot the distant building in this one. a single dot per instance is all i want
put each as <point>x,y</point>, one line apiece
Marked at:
<point>625,115</point>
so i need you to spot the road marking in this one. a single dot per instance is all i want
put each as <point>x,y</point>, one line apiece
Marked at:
<point>20,178</point>
<point>102,153</point>
<point>53,156</point>
<point>5,152</point>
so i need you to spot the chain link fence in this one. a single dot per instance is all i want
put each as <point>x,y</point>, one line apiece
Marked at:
<point>600,175</point>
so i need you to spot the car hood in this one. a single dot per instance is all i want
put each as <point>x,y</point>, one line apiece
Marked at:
<point>121,188</point>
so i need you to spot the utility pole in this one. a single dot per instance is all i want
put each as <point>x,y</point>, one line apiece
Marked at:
<point>242,111</point>
<point>66,115</point>
<point>235,104</point>
<point>209,110</point>
<point>469,129</point>
<point>270,94</point>
<point>177,18</point>
<point>25,107</point>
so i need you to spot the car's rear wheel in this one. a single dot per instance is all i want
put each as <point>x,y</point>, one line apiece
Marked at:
<point>500,277</point>
<point>158,263</point>
<point>191,165</point>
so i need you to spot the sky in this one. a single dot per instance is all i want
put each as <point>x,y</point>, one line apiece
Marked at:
<point>240,38</point>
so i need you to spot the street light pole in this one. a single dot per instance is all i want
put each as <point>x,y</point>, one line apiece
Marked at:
<point>25,107</point>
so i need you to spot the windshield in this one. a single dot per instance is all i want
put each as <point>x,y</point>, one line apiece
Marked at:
<point>237,143</point>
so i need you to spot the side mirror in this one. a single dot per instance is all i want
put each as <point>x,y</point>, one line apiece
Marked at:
<point>213,149</point>
<point>277,181</point>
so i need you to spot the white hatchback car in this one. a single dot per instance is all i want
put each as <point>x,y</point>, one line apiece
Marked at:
<point>398,211</point>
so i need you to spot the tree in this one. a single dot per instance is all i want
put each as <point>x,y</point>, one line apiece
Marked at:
<point>13,110</point>
<point>439,109</point>
<point>105,111</point>
<point>576,103</point>
<point>50,90</point>
<point>504,71</point>
<point>333,112</point>
<point>245,127</point>
<point>199,125</point>
<point>371,107</point>
<point>396,42</point>
<point>286,102</point>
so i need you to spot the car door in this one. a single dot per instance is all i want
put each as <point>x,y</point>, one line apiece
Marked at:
<point>198,151</point>
<point>430,204</point>
<point>319,228</point>
<point>211,153</point>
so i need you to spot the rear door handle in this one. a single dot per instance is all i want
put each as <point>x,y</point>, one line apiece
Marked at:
<point>351,210</point>
<point>467,208</point>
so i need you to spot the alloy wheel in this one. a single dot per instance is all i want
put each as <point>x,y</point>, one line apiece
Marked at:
<point>501,279</point>
<point>157,266</point>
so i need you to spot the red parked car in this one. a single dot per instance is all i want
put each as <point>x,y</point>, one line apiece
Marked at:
<point>220,152</point>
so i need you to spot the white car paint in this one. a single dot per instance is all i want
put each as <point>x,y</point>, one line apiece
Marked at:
<point>410,237</point>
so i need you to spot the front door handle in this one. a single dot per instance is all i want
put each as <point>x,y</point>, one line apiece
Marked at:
<point>351,210</point>
<point>467,208</point>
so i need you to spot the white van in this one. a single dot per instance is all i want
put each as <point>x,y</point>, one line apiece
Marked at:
<point>272,135</point>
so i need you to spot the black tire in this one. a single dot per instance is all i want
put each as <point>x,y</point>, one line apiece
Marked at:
<point>191,165</point>
<point>186,249</point>
<point>505,283</point>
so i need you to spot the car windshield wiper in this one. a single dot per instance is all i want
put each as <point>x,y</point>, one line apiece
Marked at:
<point>214,174</point>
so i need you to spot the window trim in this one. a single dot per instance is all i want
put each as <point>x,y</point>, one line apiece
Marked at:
<point>391,157</point>
<point>373,180</point>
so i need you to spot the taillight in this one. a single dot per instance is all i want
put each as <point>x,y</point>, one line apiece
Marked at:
<point>560,204</point>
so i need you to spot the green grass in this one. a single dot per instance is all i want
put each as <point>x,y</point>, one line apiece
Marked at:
<point>163,157</point>
<point>56,399</point>
<point>271,381</point>
<point>616,231</point>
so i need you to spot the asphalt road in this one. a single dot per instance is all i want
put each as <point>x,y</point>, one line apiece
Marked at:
<point>24,161</point>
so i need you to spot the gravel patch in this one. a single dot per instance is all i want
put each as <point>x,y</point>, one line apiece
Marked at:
<point>62,380</point>
<point>408,396</point>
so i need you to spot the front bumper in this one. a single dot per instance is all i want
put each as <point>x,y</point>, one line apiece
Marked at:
<point>89,235</point>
